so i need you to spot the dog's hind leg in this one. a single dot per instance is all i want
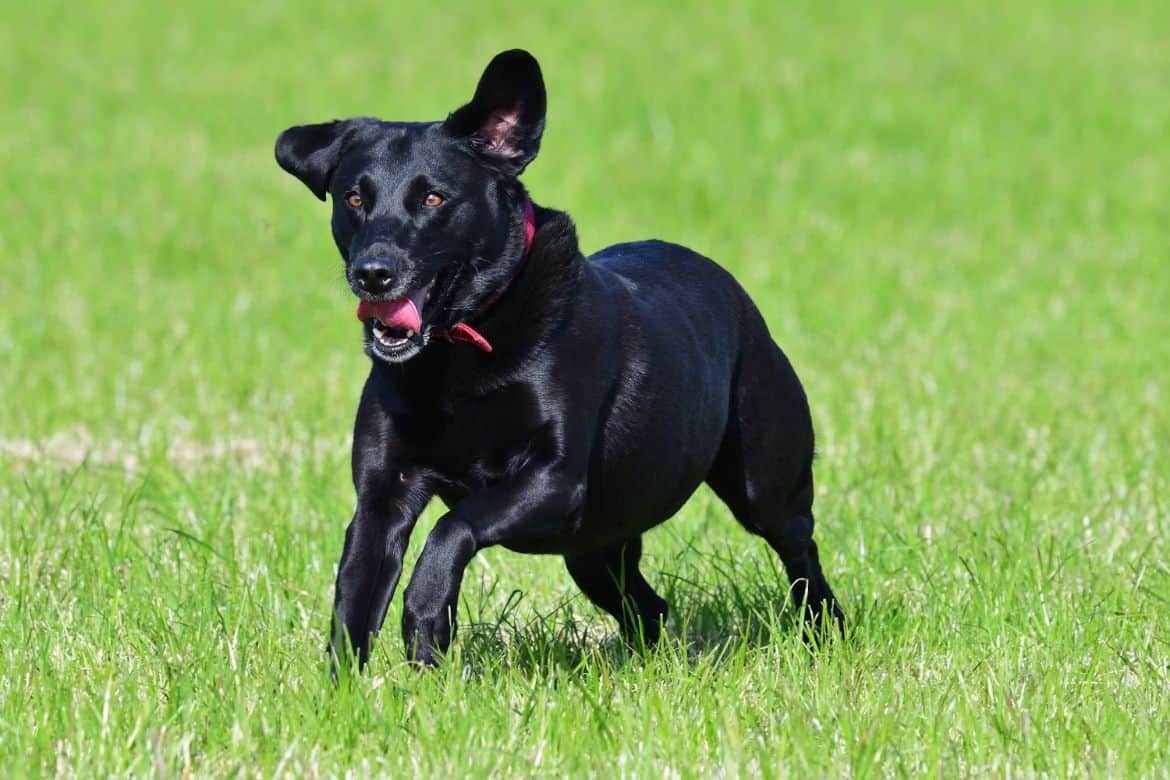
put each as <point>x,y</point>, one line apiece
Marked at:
<point>791,537</point>
<point>763,472</point>
<point>611,579</point>
<point>788,529</point>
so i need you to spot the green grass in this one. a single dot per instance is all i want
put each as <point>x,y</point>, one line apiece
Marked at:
<point>953,215</point>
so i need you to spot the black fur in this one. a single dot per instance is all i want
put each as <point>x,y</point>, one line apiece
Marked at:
<point>616,385</point>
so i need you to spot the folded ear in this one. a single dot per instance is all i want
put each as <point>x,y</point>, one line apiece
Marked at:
<point>504,121</point>
<point>312,152</point>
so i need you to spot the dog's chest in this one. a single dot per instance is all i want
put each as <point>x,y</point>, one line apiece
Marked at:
<point>474,445</point>
<point>471,465</point>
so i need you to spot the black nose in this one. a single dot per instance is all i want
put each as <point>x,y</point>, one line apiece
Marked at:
<point>372,275</point>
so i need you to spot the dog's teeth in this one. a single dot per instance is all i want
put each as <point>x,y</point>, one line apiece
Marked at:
<point>409,332</point>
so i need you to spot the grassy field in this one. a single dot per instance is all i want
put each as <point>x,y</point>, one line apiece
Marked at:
<point>955,217</point>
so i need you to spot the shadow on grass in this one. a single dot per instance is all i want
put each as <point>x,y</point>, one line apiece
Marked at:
<point>740,605</point>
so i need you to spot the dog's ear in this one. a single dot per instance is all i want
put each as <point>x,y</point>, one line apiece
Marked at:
<point>312,152</point>
<point>504,121</point>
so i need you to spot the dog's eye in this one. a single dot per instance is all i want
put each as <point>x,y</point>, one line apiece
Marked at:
<point>354,200</point>
<point>433,199</point>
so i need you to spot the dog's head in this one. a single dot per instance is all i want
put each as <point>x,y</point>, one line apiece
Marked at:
<point>428,216</point>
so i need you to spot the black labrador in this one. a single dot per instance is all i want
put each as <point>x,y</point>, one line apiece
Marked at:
<point>556,403</point>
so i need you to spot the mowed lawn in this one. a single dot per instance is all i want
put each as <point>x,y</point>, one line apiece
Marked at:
<point>955,217</point>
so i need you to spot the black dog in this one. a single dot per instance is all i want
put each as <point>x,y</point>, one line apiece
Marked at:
<point>556,403</point>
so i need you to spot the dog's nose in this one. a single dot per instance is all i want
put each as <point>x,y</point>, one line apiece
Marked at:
<point>372,275</point>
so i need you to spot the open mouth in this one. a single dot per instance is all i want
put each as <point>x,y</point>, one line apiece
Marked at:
<point>394,328</point>
<point>391,338</point>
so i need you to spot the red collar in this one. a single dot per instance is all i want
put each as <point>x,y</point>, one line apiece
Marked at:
<point>461,331</point>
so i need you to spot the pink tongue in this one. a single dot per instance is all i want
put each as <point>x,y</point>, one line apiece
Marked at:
<point>401,313</point>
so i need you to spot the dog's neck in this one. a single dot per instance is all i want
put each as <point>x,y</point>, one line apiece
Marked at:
<point>538,291</point>
<point>537,298</point>
<point>463,331</point>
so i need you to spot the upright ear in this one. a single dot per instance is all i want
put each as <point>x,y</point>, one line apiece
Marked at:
<point>504,121</point>
<point>312,152</point>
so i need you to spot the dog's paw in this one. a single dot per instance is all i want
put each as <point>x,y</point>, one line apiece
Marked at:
<point>427,638</point>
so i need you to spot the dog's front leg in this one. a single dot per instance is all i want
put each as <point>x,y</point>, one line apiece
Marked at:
<point>371,561</point>
<point>534,506</point>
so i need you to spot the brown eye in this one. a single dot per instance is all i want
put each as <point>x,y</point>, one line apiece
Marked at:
<point>354,200</point>
<point>433,199</point>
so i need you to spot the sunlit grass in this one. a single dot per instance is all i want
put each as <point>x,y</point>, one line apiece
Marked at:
<point>952,215</point>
